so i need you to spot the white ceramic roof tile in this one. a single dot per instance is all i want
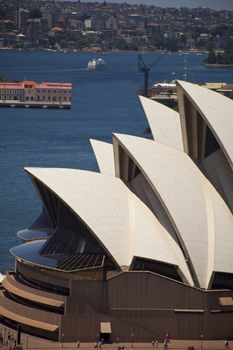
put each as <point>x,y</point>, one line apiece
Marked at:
<point>164,123</point>
<point>119,220</point>
<point>223,231</point>
<point>182,188</point>
<point>104,156</point>
<point>217,110</point>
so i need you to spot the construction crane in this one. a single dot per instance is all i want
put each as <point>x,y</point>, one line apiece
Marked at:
<point>142,67</point>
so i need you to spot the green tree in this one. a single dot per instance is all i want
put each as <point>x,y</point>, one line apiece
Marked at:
<point>220,30</point>
<point>211,59</point>
<point>2,78</point>
<point>35,13</point>
<point>2,14</point>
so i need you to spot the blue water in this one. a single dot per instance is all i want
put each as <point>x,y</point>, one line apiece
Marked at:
<point>103,102</point>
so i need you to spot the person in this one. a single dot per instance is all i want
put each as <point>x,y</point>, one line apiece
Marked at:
<point>157,344</point>
<point>78,344</point>
<point>117,340</point>
<point>165,346</point>
<point>226,344</point>
<point>167,338</point>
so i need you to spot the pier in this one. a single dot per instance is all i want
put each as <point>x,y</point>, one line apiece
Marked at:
<point>35,104</point>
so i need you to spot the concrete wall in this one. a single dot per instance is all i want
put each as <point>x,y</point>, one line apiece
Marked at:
<point>147,305</point>
<point>142,303</point>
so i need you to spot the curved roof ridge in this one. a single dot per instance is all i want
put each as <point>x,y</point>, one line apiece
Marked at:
<point>223,231</point>
<point>181,191</point>
<point>104,156</point>
<point>164,123</point>
<point>210,228</point>
<point>116,217</point>
<point>216,110</point>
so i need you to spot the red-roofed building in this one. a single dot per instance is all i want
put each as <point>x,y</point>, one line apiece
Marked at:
<point>57,29</point>
<point>36,93</point>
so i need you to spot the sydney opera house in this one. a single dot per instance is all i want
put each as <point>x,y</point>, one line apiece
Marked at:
<point>144,247</point>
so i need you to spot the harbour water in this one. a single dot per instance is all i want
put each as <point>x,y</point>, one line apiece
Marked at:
<point>104,101</point>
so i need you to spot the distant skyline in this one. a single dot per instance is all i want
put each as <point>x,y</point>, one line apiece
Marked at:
<point>213,4</point>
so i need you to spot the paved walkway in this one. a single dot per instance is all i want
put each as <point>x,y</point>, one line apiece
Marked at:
<point>33,343</point>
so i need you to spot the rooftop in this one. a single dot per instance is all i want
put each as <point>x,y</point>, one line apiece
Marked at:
<point>32,84</point>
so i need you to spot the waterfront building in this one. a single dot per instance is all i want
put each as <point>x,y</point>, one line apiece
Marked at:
<point>93,23</point>
<point>144,247</point>
<point>48,18</point>
<point>111,23</point>
<point>21,18</point>
<point>166,93</point>
<point>33,93</point>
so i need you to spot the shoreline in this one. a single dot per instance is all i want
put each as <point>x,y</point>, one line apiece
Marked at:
<point>218,65</point>
<point>99,52</point>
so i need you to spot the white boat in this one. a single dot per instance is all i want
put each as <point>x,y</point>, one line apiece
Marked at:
<point>96,63</point>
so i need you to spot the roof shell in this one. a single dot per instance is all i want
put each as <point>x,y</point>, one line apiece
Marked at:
<point>164,123</point>
<point>182,189</point>
<point>217,110</point>
<point>104,156</point>
<point>115,216</point>
<point>221,225</point>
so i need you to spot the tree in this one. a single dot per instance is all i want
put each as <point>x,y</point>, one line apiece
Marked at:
<point>2,78</point>
<point>220,30</point>
<point>35,14</point>
<point>211,59</point>
<point>2,14</point>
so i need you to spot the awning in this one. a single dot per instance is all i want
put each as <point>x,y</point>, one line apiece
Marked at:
<point>105,327</point>
<point>226,301</point>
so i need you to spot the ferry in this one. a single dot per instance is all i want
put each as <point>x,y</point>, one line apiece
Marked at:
<point>96,63</point>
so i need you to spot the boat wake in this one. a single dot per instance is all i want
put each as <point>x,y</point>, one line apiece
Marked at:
<point>65,70</point>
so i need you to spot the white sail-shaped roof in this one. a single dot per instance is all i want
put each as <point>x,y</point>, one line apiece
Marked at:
<point>220,222</point>
<point>104,156</point>
<point>178,214</point>
<point>115,216</point>
<point>183,192</point>
<point>164,123</point>
<point>216,110</point>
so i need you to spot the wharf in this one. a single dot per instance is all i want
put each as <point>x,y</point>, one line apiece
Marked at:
<point>34,104</point>
<point>167,100</point>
